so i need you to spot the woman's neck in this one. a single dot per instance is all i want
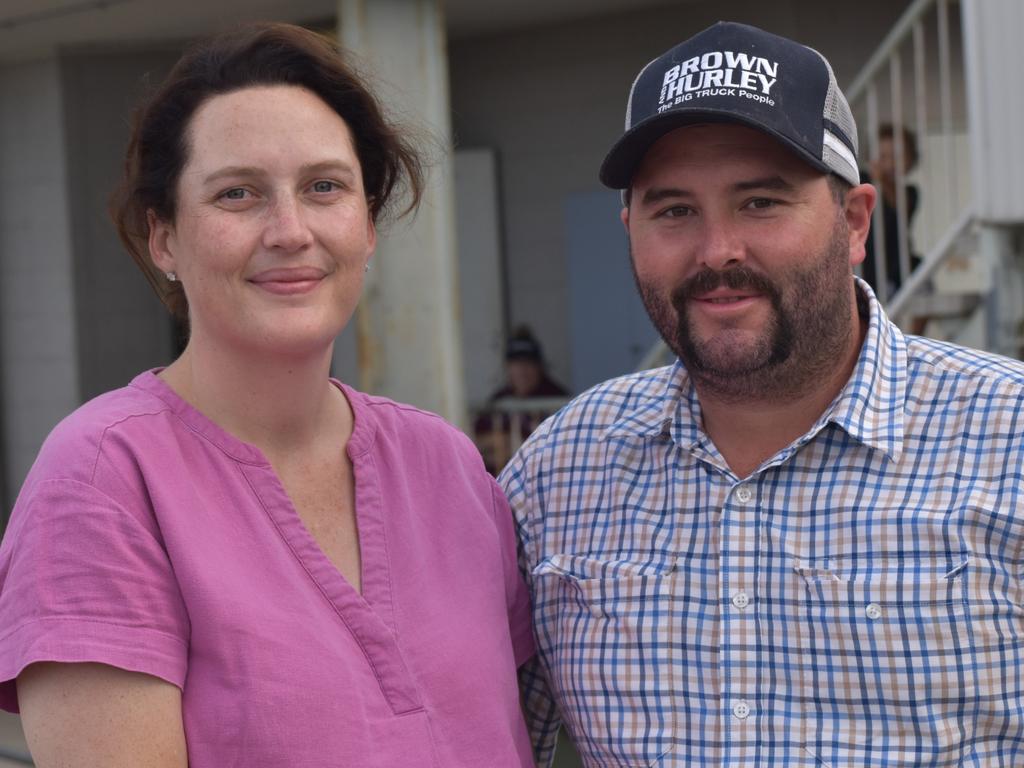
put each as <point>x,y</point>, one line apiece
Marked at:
<point>277,405</point>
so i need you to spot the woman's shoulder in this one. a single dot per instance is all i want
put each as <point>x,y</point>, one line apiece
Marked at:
<point>72,448</point>
<point>380,419</point>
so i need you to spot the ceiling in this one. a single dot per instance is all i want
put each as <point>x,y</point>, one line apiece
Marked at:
<point>30,28</point>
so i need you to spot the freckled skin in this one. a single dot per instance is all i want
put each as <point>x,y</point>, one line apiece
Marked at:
<point>295,200</point>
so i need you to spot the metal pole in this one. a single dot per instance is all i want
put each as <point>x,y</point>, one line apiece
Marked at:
<point>899,156</point>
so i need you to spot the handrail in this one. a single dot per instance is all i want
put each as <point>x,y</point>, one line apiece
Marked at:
<point>526,404</point>
<point>880,58</point>
<point>15,756</point>
<point>935,258</point>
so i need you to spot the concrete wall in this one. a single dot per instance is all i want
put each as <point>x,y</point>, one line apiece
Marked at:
<point>551,101</point>
<point>38,374</point>
<point>121,327</point>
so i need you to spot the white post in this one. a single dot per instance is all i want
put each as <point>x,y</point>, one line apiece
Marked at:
<point>407,331</point>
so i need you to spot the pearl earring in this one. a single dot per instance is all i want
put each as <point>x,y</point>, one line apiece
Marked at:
<point>171,277</point>
<point>366,267</point>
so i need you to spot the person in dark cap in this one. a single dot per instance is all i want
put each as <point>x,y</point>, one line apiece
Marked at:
<point>798,545</point>
<point>498,432</point>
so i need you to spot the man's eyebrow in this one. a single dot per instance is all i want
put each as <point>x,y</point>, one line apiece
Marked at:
<point>775,183</point>
<point>658,194</point>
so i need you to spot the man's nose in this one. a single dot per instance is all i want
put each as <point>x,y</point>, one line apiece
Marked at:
<point>721,246</point>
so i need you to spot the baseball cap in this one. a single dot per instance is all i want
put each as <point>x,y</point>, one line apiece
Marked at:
<point>736,73</point>
<point>522,345</point>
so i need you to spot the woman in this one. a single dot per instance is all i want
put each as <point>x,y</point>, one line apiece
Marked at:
<point>236,561</point>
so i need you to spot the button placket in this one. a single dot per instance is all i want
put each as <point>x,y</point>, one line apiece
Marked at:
<point>740,526</point>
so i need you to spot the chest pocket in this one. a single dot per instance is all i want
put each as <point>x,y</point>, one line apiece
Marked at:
<point>611,634</point>
<point>887,669</point>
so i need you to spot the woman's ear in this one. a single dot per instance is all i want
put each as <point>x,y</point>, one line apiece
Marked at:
<point>161,242</point>
<point>371,238</point>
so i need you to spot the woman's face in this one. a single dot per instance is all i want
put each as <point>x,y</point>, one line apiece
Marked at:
<point>272,232</point>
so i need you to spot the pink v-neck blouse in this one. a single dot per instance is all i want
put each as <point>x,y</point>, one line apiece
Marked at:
<point>149,539</point>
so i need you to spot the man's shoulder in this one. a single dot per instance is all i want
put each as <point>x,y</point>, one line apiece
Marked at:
<point>962,370</point>
<point>630,399</point>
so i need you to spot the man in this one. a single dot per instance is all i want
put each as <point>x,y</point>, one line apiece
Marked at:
<point>800,545</point>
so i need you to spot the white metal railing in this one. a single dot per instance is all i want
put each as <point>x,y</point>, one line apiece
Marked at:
<point>502,426</point>
<point>15,756</point>
<point>898,87</point>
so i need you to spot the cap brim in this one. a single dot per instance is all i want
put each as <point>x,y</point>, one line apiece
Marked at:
<point>622,160</point>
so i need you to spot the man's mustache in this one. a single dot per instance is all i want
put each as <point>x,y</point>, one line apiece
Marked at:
<point>735,278</point>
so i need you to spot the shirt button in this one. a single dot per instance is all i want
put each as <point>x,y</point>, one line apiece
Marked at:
<point>741,710</point>
<point>744,494</point>
<point>873,611</point>
<point>741,600</point>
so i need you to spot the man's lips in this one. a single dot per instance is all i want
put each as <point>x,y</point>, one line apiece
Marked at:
<point>726,297</point>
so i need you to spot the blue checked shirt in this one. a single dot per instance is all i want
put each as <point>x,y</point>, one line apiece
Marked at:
<point>856,601</point>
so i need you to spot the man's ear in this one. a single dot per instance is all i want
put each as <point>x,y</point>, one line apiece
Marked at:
<point>624,217</point>
<point>857,208</point>
<point>161,241</point>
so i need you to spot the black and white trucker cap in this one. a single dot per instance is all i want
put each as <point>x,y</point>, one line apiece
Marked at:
<point>736,73</point>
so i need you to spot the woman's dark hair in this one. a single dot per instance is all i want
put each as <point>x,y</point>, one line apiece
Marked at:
<point>253,55</point>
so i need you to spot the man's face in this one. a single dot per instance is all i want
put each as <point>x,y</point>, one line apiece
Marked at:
<point>743,259</point>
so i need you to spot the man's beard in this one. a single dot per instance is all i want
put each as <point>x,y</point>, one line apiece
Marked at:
<point>802,342</point>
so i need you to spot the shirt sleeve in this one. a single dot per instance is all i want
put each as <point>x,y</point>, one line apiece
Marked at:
<point>516,594</point>
<point>84,580</point>
<point>540,711</point>
<point>539,708</point>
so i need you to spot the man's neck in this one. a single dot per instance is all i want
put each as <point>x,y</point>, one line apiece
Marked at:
<point>749,432</point>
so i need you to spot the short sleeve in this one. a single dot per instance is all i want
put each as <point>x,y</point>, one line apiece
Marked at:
<point>516,594</point>
<point>84,580</point>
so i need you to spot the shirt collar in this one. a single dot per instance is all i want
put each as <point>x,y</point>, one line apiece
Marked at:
<point>869,408</point>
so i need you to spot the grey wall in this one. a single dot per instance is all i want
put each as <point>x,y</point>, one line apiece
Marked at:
<point>37,351</point>
<point>121,326</point>
<point>551,101</point>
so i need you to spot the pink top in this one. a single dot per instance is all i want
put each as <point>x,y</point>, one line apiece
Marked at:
<point>147,538</point>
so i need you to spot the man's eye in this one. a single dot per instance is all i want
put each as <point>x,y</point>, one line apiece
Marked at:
<point>761,203</point>
<point>676,212</point>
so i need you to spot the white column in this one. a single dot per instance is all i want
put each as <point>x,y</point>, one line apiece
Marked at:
<point>38,349</point>
<point>407,331</point>
<point>994,60</point>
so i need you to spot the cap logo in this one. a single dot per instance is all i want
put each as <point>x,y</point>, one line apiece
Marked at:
<point>719,73</point>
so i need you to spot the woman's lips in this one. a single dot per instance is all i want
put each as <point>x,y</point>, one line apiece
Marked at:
<point>288,282</point>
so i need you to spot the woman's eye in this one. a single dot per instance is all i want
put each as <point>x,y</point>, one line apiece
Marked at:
<point>323,187</point>
<point>236,193</point>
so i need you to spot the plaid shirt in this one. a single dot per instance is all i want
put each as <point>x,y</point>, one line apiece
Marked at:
<point>856,601</point>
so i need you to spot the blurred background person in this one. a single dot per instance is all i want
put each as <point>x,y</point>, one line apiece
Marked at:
<point>236,560</point>
<point>883,175</point>
<point>506,423</point>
